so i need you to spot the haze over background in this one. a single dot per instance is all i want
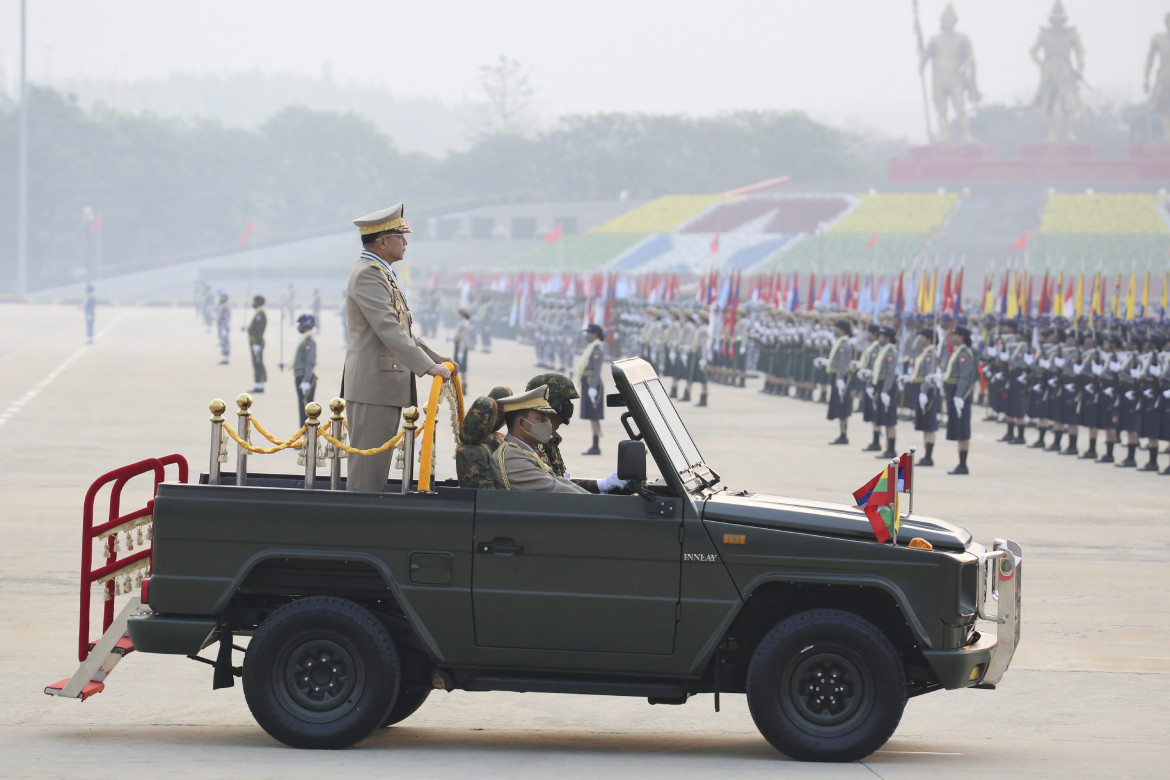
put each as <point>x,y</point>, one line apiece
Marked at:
<point>846,62</point>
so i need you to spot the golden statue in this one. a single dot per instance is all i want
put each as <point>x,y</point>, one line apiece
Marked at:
<point>1061,70</point>
<point>953,75</point>
<point>1160,94</point>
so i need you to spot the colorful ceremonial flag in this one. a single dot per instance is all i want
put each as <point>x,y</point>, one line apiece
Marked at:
<point>1013,299</point>
<point>1021,243</point>
<point>812,292</point>
<point>899,297</point>
<point>989,294</point>
<point>1115,303</point>
<point>959,292</point>
<point>1165,290</point>
<point>948,303</point>
<point>554,235</point>
<point>1044,304</point>
<point>715,244</point>
<point>879,498</point>
<point>872,242</point>
<point>1145,296</point>
<point>1131,298</point>
<point>1080,297</point>
<point>1095,303</point>
<point>1058,295</point>
<point>248,232</point>
<point>905,469</point>
<point>94,226</point>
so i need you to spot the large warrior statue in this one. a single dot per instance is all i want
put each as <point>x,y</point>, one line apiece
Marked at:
<point>1160,94</point>
<point>1061,69</point>
<point>953,75</point>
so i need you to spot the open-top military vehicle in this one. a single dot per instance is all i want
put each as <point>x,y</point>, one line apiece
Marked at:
<point>359,605</point>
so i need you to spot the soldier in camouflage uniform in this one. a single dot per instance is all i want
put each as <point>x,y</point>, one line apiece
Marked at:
<point>473,453</point>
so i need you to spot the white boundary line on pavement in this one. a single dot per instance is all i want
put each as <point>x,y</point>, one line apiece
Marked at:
<point>19,403</point>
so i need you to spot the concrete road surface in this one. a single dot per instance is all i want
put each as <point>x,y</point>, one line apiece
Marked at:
<point>1086,696</point>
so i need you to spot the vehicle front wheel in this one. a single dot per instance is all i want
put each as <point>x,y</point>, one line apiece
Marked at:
<point>826,685</point>
<point>321,672</point>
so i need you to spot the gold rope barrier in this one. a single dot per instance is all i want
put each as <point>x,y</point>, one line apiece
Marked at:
<point>260,428</point>
<point>296,440</point>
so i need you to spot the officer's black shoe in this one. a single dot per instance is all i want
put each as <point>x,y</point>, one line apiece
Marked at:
<point>223,362</point>
<point>1054,447</point>
<point>840,440</point>
<point>872,448</point>
<point>1037,445</point>
<point>925,462</point>
<point>1166,472</point>
<point>686,396</point>
<point>1105,459</point>
<point>256,390</point>
<point>888,455</point>
<point>960,469</point>
<point>702,400</point>
<point>1069,451</point>
<point>1128,463</point>
<point>674,392</point>
<point>1018,440</point>
<point>1008,437</point>
<point>592,451</point>
<point>1089,455</point>
<point>1149,467</point>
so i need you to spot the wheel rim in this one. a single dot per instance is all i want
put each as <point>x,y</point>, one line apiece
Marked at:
<point>319,678</point>
<point>827,691</point>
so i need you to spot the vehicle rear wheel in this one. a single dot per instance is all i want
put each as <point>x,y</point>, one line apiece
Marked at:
<point>826,685</point>
<point>406,705</point>
<point>321,672</point>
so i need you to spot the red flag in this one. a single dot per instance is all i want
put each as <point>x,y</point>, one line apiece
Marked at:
<point>248,231</point>
<point>948,302</point>
<point>905,469</point>
<point>1045,304</point>
<point>94,226</point>
<point>872,242</point>
<point>959,291</point>
<point>812,291</point>
<point>715,244</point>
<point>554,235</point>
<point>1021,243</point>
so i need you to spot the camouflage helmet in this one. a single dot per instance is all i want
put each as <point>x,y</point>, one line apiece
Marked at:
<point>498,392</point>
<point>479,420</point>
<point>561,393</point>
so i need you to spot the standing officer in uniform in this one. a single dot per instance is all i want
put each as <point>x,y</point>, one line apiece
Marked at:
<point>223,324</point>
<point>383,356</point>
<point>88,305</point>
<point>589,376</point>
<point>462,342</point>
<point>840,356</point>
<point>256,343</point>
<point>959,383</point>
<point>305,364</point>
<point>926,399</point>
<point>882,391</point>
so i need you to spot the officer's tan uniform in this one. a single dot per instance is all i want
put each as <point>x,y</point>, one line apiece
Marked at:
<point>515,465</point>
<point>382,358</point>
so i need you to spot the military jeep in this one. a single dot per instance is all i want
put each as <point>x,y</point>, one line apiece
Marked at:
<point>360,605</point>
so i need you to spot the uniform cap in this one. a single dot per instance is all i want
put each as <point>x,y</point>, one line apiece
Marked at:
<point>462,312</point>
<point>844,325</point>
<point>536,398</point>
<point>307,321</point>
<point>258,300</point>
<point>595,329</point>
<point>390,219</point>
<point>962,330</point>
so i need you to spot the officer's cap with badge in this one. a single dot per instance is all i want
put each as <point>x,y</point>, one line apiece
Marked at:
<point>536,398</point>
<point>390,220</point>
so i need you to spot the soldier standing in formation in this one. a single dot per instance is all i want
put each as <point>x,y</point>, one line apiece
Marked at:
<point>589,374</point>
<point>88,308</point>
<point>959,382</point>
<point>883,392</point>
<point>305,364</point>
<point>383,356</point>
<point>256,343</point>
<point>697,357</point>
<point>462,342</point>
<point>924,381</point>
<point>223,324</point>
<point>839,361</point>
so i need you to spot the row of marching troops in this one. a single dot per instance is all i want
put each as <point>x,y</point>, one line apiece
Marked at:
<point>1073,379</point>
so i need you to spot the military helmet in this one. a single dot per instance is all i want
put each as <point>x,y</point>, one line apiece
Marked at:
<point>561,393</point>
<point>498,392</point>
<point>306,322</point>
<point>479,421</point>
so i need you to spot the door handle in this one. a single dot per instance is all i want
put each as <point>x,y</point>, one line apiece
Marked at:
<point>500,546</point>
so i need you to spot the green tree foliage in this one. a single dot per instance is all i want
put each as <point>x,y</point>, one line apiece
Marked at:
<point>170,190</point>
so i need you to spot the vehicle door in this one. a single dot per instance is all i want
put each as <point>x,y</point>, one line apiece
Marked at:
<point>594,573</point>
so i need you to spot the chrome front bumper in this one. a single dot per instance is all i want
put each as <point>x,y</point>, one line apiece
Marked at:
<point>997,599</point>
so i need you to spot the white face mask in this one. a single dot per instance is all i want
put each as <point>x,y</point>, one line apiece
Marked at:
<point>541,431</point>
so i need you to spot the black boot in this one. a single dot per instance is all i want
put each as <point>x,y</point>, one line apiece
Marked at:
<point>594,450</point>
<point>1056,437</point>
<point>1010,435</point>
<point>1091,453</point>
<point>1108,456</point>
<point>875,445</point>
<point>1039,443</point>
<point>686,396</point>
<point>674,391</point>
<point>1153,464</point>
<point>1072,445</point>
<point>962,467</point>
<point>927,460</point>
<point>891,451</point>
<point>842,439</point>
<point>1129,461</point>
<point>702,400</point>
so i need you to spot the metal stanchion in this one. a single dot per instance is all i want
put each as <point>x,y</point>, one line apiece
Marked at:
<point>243,423</point>
<point>313,410</point>
<point>337,406</point>
<point>217,408</point>
<point>410,419</point>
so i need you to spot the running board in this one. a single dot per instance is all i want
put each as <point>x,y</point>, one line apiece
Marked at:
<point>90,676</point>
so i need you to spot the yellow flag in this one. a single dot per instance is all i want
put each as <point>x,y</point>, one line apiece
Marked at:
<point>1165,289</point>
<point>1080,295</point>
<point>1058,296</point>
<point>1131,298</point>
<point>1114,306</point>
<point>933,289</point>
<point>1095,304</point>
<point>1146,296</point>
<point>1013,301</point>
<point>989,296</point>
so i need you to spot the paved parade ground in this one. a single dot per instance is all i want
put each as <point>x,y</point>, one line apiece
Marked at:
<point>1084,697</point>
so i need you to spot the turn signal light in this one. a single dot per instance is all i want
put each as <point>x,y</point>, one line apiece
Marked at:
<point>918,543</point>
<point>146,591</point>
<point>975,672</point>
<point>734,538</point>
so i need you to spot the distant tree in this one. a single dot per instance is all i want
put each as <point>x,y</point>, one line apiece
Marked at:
<point>509,106</point>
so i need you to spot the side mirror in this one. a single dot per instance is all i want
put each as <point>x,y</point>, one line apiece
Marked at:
<point>631,463</point>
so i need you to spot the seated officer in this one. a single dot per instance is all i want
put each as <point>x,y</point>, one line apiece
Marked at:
<point>515,464</point>
<point>478,439</point>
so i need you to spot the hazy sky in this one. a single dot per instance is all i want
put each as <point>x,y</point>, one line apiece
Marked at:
<point>840,60</point>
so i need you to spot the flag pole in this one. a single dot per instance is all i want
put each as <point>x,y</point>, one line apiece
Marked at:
<point>897,500</point>
<point>910,507</point>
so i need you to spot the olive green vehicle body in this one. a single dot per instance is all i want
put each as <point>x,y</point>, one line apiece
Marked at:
<point>662,595</point>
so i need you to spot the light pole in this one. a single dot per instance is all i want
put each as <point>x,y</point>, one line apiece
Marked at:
<point>22,167</point>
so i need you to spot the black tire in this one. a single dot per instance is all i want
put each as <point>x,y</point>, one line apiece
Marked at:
<point>407,703</point>
<point>826,685</point>
<point>321,672</point>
